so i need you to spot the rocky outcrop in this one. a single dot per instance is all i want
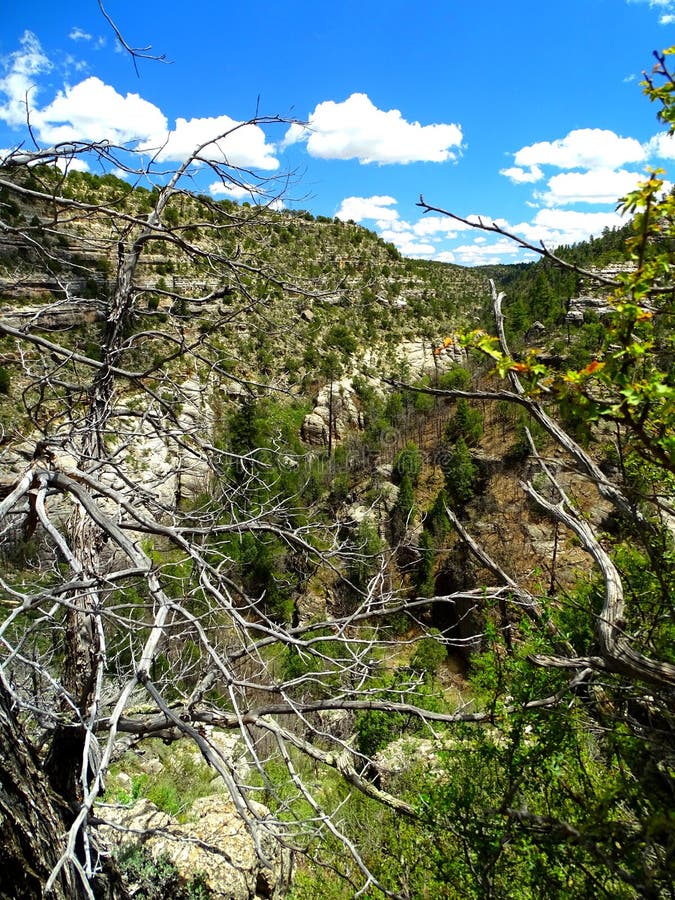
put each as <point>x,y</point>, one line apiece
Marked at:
<point>420,357</point>
<point>57,316</point>
<point>335,410</point>
<point>594,296</point>
<point>213,842</point>
<point>579,306</point>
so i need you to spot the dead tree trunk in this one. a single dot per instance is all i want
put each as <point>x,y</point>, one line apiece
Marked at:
<point>33,818</point>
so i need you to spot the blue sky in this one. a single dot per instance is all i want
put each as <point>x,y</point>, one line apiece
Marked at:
<point>529,113</point>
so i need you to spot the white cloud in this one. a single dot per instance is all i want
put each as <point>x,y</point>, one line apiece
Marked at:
<point>444,225</point>
<point>236,191</point>
<point>594,186</point>
<point>523,176</point>
<point>237,144</point>
<point>554,227</point>
<point>662,145</point>
<point>75,164</point>
<point>655,4</point>
<point>77,34</point>
<point>94,111</point>
<point>408,245</point>
<point>666,18</point>
<point>360,208</point>
<point>250,192</point>
<point>424,239</point>
<point>357,129</point>
<point>484,253</point>
<point>19,84</point>
<point>583,148</point>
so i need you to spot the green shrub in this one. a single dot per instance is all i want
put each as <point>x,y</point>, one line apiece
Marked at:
<point>460,475</point>
<point>407,462</point>
<point>466,423</point>
<point>457,379</point>
<point>157,879</point>
<point>428,655</point>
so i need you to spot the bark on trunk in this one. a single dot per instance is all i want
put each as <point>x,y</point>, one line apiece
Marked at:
<point>33,822</point>
<point>33,819</point>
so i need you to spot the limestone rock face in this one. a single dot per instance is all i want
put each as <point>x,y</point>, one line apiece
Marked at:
<point>60,315</point>
<point>213,842</point>
<point>423,357</point>
<point>315,430</point>
<point>344,416</point>
<point>580,305</point>
<point>594,297</point>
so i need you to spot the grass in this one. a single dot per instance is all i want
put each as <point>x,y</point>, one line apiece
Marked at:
<point>173,788</point>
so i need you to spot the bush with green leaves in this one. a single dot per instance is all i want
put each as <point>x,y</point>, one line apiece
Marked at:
<point>460,473</point>
<point>158,878</point>
<point>467,423</point>
<point>376,728</point>
<point>455,379</point>
<point>407,462</point>
<point>430,653</point>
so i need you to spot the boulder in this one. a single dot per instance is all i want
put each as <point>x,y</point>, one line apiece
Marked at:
<point>214,842</point>
<point>315,430</point>
<point>422,357</point>
<point>345,414</point>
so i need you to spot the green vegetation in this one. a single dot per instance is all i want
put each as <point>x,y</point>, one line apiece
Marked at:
<point>157,879</point>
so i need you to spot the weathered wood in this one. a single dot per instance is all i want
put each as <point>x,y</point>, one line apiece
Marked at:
<point>33,818</point>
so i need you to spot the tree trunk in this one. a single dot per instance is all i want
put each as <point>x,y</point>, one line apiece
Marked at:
<point>33,818</point>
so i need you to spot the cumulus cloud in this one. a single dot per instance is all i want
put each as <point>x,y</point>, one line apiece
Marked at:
<point>406,243</point>
<point>666,18</point>
<point>250,192</point>
<point>360,208</point>
<point>72,165</point>
<point>426,237</point>
<point>655,4</point>
<point>484,253</point>
<point>555,227</point>
<point>236,191</point>
<point>662,145</point>
<point>417,239</point>
<point>237,144</point>
<point>438,225</point>
<point>95,111</point>
<point>357,129</point>
<point>523,176</point>
<point>77,34</point>
<point>594,186</point>
<point>583,148</point>
<point>19,83</point>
